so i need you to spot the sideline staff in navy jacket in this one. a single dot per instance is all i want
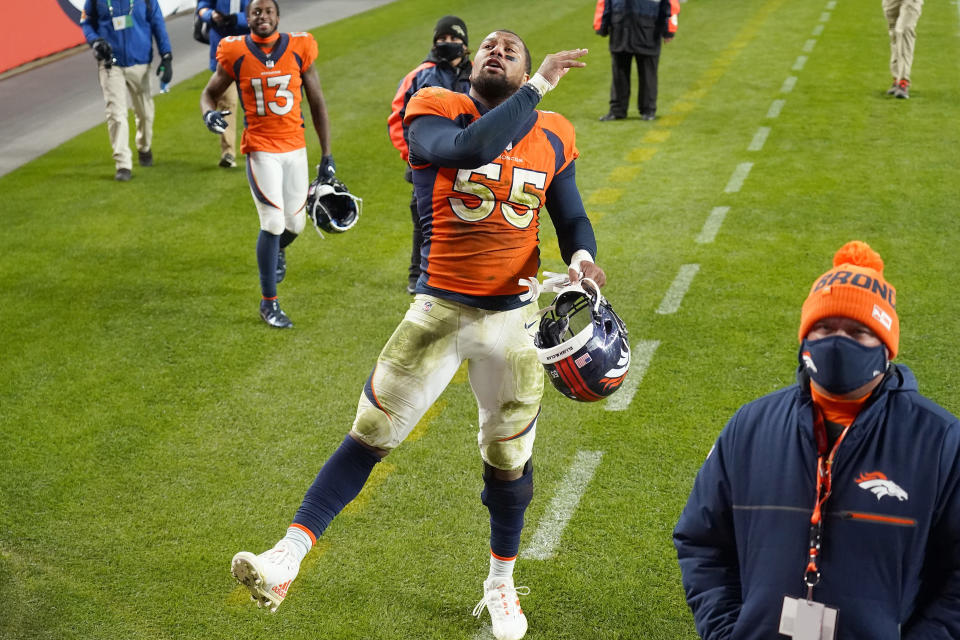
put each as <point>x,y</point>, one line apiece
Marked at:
<point>447,65</point>
<point>636,29</point>
<point>883,547</point>
<point>121,34</point>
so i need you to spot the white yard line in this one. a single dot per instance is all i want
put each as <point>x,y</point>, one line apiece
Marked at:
<point>788,84</point>
<point>739,176</point>
<point>545,539</point>
<point>712,225</point>
<point>673,298</point>
<point>759,139</point>
<point>775,107</point>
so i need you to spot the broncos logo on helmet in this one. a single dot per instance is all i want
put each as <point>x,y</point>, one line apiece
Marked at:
<point>582,343</point>
<point>331,206</point>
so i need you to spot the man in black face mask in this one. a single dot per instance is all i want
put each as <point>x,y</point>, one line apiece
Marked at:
<point>831,509</point>
<point>447,65</point>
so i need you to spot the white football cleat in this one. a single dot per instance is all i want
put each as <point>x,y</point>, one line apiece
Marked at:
<point>500,599</point>
<point>268,575</point>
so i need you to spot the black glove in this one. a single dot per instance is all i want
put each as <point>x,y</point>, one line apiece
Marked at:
<point>327,168</point>
<point>102,51</point>
<point>214,121</point>
<point>229,22</point>
<point>165,68</point>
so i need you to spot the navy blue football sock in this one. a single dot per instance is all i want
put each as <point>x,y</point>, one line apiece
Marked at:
<point>268,246</point>
<point>287,238</point>
<point>340,480</point>
<point>507,501</point>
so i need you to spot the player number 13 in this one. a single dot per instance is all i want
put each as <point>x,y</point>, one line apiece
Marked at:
<point>283,103</point>
<point>519,195</point>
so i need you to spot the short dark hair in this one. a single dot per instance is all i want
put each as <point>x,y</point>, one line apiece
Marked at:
<point>526,51</point>
<point>276,5</point>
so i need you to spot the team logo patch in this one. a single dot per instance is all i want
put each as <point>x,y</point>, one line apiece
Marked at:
<point>882,317</point>
<point>877,483</point>
<point>583,360</point>
<point>427,306</point>
<point>808,361</point>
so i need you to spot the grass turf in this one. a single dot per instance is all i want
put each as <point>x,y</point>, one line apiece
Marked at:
<point>152,425</point>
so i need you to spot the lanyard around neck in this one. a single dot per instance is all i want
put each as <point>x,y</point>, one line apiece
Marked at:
<point>824,487</point>
<point>110,7</point>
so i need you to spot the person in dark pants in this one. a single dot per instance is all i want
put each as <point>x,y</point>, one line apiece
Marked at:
<point>636,29</point>
<point>447,65</point>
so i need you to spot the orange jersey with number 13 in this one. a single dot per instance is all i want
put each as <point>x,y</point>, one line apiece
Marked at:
<point>270,88</point>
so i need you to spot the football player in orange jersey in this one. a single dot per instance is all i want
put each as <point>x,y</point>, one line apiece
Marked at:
<point>484,165</point>
<point>270,70</point>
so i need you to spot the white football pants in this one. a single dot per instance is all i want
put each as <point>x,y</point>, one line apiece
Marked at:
<point>425,351</point>
<point>278,184</point>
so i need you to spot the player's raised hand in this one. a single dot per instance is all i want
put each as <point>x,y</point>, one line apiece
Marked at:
<point>556,65</point>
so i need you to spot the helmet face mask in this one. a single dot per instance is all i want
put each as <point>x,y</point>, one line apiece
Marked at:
<point>582,343</point>
<point>331,206</point>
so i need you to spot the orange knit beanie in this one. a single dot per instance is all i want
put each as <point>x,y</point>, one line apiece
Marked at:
<point>855,289</point>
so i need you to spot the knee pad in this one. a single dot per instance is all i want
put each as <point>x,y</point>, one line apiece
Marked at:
<point>488,471</point>
<point>373,426</point>
<point>297,222</point>
<point>507,454</point>
<point>272,222</point>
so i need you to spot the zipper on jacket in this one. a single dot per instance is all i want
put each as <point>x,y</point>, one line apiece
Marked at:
<point>878,518</point>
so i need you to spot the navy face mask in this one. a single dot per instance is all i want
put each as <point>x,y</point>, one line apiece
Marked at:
<point>448,51</point>
<point>840,364</point>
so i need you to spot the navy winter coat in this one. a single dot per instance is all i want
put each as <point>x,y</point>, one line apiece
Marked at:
<point>634,26</point>
<point>891,549</point>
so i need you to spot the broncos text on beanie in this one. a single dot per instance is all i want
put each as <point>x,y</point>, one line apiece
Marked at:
<point>855,288</point>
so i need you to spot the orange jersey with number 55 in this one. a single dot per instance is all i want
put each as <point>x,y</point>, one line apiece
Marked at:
<point>270,88</point>
<point>481,226</point>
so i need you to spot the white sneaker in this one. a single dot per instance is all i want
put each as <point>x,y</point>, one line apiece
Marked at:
<point>500,599</point>
<point>268,575</point>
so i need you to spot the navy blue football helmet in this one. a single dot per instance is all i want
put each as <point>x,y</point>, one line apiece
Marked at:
<point>582,343</point>
<point>331,206</point>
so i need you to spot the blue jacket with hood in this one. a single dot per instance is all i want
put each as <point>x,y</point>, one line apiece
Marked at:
<point>890,560</point>
<point>134,44</point>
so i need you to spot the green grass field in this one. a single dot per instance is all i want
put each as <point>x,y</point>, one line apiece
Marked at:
<point>151,425</point>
